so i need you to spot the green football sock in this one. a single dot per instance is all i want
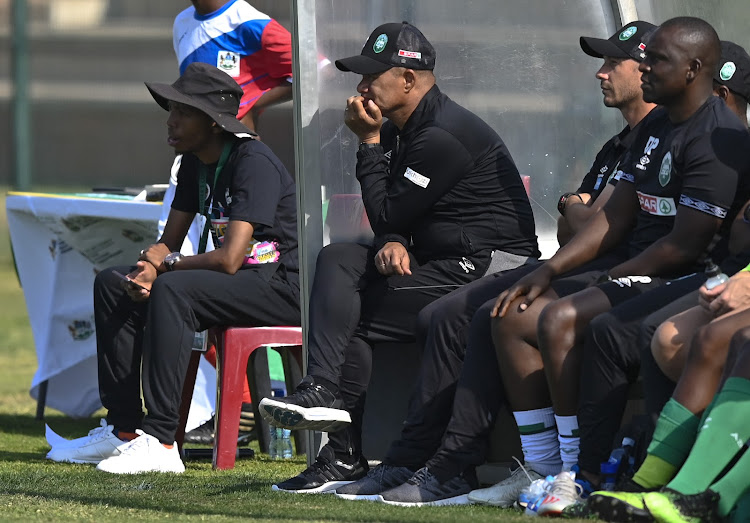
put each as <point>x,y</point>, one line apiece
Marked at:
<point>733,485</point>
<point>654,472</point>
<point>722,436</point>
<point>674,436</point>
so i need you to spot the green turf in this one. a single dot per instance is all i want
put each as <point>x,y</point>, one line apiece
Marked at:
<point>32,489</point>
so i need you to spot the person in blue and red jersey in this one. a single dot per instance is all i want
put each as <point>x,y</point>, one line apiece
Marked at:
<point>248,45</point>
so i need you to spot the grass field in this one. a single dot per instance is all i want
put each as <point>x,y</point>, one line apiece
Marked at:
<point>32,489</point>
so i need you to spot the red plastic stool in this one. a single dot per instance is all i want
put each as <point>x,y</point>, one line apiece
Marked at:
<point>234,345</point>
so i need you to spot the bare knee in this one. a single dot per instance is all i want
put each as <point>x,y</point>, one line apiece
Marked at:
<point>665,344</point>
<point>556,320</point>
<point>709,346</point>
<point>515,324</point>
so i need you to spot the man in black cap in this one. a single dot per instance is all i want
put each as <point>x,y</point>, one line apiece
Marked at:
<point>459,391</point>
<point>732,80</point>
<point>620,83</point>
<point>447,206</point>
<point>147,315</point>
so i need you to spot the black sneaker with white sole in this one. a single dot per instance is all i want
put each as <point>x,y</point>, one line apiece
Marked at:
<point>378,480</point>
<point>311,407</point>
<point>324,476</point>
<point>204,434</point>
<point>423,488</point>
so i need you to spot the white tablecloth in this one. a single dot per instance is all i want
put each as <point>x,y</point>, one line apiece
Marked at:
<point>60,242</point>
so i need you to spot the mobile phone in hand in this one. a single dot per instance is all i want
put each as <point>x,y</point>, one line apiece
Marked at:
<point>130,281</point>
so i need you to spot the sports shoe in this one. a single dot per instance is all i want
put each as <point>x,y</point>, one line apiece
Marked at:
<point>670,506</point>
<point>205,433</point>
<point>311,407</point>
<point>99,444</point>
<point>619,506</point>
<point>505,493</point>
<point>144,454</point>
<point>423,488</point>
<point>377,480</point>
<point>325,475</point>
<point>564,491</point>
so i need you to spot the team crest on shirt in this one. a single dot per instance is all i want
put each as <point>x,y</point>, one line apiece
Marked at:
<point>229,62</point>
<point>665,171</point>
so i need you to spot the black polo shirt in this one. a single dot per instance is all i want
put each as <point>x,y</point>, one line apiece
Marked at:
<point>608,160</point>
<point>701,163</point>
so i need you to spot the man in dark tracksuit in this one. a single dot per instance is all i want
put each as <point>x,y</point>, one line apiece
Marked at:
<point>447,206</point>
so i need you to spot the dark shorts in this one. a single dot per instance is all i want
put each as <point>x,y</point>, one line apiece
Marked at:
<point>617,291</point>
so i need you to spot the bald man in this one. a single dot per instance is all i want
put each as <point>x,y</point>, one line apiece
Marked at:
<point>677,192</point>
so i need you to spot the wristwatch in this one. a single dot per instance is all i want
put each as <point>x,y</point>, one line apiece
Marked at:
<point>171,259</point>
<point>367,146</point>
<point>563,201</point>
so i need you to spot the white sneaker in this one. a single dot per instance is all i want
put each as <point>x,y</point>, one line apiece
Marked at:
<point>505,493</point>
<point>99,444</point>
<point>563,492</point>
<point>144,454</point>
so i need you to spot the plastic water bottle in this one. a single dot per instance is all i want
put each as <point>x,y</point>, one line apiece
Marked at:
<point>280,443</point>
<point>285,444</point>
<point>280,440</point>
<point>714,276</point>
<point>273,442</point>
<point>618,462</point>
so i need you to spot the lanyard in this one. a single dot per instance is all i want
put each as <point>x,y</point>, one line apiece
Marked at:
<point>202,192</point>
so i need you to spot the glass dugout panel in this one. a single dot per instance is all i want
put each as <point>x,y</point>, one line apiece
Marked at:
<point>518,65</point>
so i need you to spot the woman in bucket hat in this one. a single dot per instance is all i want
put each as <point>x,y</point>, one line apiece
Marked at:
<point>148,318</point>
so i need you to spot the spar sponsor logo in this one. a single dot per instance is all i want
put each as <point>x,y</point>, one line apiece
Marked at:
<point>657,205</point>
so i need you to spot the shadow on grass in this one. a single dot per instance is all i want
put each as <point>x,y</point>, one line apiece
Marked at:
<point>268,507</point>
<point>28,425</point>
<point>26,457</point>
<point>24,425</point>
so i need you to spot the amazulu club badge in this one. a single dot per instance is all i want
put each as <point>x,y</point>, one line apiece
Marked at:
<point>727,71</point>
<point>627,33</point>
<point>665,171</point>
<point>380,42</point>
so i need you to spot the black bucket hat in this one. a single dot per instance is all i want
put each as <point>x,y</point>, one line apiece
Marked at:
<point>391,45</point>
<point>628,42</point>
<point>209,90</point>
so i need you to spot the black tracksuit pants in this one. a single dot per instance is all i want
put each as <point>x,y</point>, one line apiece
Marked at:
<point>159,332</point>
<point>459,391</point>
<point>353,307</point>
<point>614,345</point>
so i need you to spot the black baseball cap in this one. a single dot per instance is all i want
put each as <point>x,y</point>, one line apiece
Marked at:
<point>628,42</point>
<point>734,69</point>
<point>391,45</point>
<point>208,89</point>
